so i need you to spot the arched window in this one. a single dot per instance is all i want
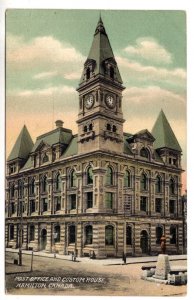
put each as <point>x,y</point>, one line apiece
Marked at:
<point>44,184</point>
<point>89,176</point>
<point>127,179</point>
<point>45,158</point>
<point>159,233</point>
<point>20,188</point>
<point>32,233</point>
<point>73,179</point>
<point>58,182</point>
<point>144,182</point>
<point>57,234</point>
<point>129,235</point>
<point>172,186</point>
<point>109,176</point>
<point>109,235</point>
<point>144,153</point>
<point>72,234</point>
<point>158,184</point>
<point>89,234</point>
<point>88,73</point>
<point>11,231</point>
<point>90,127</point>
<point>112,72</point>
<point>173,234</point>
<point>32,187</point>
<point>114,128</point>
<point>108,127</point>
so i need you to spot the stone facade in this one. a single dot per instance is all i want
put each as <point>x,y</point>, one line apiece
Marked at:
<point>101,191</point>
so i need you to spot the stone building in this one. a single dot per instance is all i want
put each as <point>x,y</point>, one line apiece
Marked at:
<point>101,190</point>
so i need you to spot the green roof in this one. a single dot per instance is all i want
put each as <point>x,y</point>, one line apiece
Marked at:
<point>23,145</point>
<point>164,135</point>
<point>72,149</point>
<point>58,135</point>
<point>100,51</point>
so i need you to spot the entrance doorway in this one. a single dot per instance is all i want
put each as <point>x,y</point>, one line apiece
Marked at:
<point>43,239</point>
<point>144,242</point>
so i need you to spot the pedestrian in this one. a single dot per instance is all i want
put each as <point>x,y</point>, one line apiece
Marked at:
<point>163,244</point>
<point>124,258</point>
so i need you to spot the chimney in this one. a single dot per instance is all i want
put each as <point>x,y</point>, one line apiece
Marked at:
<point>59,123</point>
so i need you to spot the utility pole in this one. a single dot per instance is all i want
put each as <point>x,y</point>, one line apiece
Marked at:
<point>124,231</point>
<point>21,224</point>
<point>76,225</point>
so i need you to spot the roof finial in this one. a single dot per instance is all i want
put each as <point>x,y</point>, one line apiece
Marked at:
<point>100,26</point>
<point>100,18</point>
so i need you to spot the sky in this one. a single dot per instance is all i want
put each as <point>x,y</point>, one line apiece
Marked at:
<point>46,50</point>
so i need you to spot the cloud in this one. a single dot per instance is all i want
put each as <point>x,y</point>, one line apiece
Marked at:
<point>150,50</point>
<point>44,75</point>
<point>133,70</point>
<point>45,56</point>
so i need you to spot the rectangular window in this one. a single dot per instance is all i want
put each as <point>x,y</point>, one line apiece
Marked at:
<point>11,232</point>
<point>89,200</point>
<point>109,200</point>
<point>158,205</point>
<point>172,206</point>
<point>44,204</point>
<point>73,201</point>
<point>57,203</point>
<point>21,207</point>
<point>143,204</point>
<point>12,208</point>
<point>32,206</point>
<point>12,169</point>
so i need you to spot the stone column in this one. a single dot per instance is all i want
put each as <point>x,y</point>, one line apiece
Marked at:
<point>137,231</point>
<point>79,239</point>
<point>25,237</point>
<point>49,238</point>
<point>101,241</point>
<point>121,235</point>
<point>120,197</point>
<point>6,235</point>
<point>98,188</point>
<point>64,193</point>
<point>62,238</point>
<point>79,192</point>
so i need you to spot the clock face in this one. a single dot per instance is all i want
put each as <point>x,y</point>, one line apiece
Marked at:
<point>89,101</point>
<point>110,101</point>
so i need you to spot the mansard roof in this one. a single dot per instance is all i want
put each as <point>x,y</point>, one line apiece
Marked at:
<point>22,146</point>
<point>57,136</point>
<point>164,135</point>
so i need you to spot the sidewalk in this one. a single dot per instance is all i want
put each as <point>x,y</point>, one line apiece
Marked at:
<point>105,262</point>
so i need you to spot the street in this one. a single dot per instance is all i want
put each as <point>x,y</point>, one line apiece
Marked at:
<point>53,276</point>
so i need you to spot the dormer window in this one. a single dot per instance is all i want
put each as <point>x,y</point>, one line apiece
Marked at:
<point>45,158</point>
<point>112,72</point>
<point>88,73</point>
<point>144,153</point>
<point>12,168</point>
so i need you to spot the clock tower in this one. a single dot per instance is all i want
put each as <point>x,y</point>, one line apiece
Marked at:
<point>100,119</point>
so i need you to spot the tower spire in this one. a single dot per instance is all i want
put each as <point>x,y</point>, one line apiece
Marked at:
<point>101,58</point>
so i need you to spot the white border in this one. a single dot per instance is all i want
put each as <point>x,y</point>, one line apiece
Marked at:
<point>185,5</point>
